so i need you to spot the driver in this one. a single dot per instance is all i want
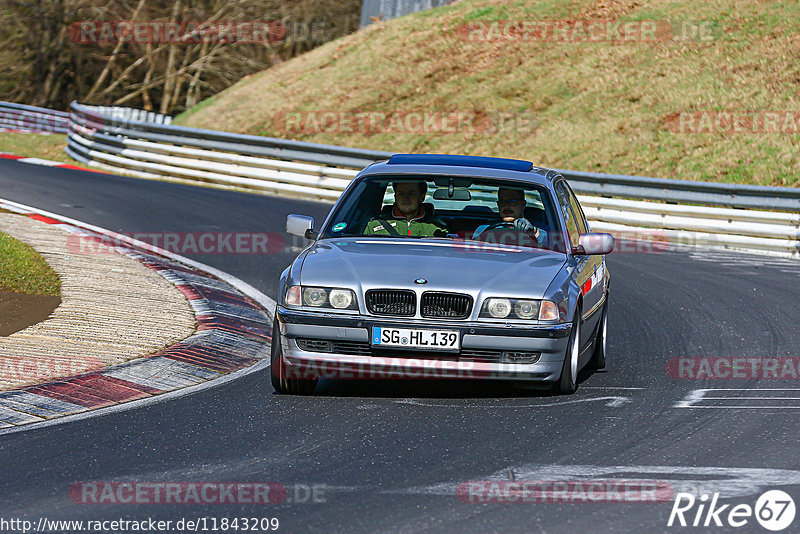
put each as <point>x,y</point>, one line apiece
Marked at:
<point>511,203</point>
<point>408,214</point>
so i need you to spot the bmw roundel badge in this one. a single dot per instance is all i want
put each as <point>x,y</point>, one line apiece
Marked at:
<point>420,281</point>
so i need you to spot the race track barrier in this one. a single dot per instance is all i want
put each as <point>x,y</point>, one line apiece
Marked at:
<point>31,119</point>
<point>746,217</point>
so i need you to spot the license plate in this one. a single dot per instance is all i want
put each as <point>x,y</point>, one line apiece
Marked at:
<point>413,338</point>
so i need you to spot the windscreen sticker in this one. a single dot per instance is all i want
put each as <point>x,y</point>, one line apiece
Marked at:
<point>338,227</point>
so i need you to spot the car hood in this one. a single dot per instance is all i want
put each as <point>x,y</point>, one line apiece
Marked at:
<point>365,263</point>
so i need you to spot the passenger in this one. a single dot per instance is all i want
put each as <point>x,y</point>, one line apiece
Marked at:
<point>511,204</point>
<point>409,216</point>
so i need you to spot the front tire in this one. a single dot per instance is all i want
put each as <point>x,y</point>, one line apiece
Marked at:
<point>568,382</point>
<point>277,367</point>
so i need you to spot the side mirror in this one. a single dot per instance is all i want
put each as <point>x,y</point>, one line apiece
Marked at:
<point>301,226</point>
<point>595,243</point>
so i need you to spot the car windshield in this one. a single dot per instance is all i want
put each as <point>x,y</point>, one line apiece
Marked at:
<point>442,207</point>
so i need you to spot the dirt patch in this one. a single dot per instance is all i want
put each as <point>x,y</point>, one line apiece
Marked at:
<point>19,310</point>
<point>610,9</point>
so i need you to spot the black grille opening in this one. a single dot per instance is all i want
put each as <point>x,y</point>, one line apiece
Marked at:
<point>445,305</point>
<point>415,354</point>
<point>360,348</point>
<point>481,355</point>
<point>395,302</point>
<point>314,345</point>
<point>521,357</point>
<point>352,348</point>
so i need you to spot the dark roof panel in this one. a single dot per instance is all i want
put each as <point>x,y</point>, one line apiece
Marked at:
<point>461,161</point>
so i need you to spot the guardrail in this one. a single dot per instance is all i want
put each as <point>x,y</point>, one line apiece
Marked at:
<point>764,219</point>
<point>31,119</point>
<point>132,114</point>
<point>252,145</point>
<point>149,150</point>
<point>755,230</point>
<point>389,9</point>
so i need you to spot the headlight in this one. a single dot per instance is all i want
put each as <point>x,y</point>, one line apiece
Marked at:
<point>516,309</point>
<point>526,309</point>
<point>321,297</point>
<point>314,296</point>
<point>498,308</point>
<point>341,299</point>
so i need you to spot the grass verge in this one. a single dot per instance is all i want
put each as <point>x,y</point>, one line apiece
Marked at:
<point>45,146</point>
<point>23,270</point>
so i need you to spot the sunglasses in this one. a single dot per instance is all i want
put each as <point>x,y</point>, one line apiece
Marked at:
<point>512,202</point>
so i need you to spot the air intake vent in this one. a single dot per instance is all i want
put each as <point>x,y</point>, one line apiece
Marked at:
<point>395,302</point>
<point>446,305</point>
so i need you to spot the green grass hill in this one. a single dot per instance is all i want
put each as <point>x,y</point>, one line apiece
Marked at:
<point>704,91</point>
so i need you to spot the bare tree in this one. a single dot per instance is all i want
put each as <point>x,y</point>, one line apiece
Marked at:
<point>46,60</point>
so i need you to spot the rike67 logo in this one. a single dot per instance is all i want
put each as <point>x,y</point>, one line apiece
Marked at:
<point>774,510</point>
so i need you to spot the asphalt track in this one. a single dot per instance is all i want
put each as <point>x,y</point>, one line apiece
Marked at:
<point>388,456</point>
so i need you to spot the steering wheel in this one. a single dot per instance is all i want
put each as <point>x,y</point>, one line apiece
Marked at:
<point>510,224</point>
<point>501,224</point>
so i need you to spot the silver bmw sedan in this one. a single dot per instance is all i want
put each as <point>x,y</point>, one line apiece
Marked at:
<point>443,266</point>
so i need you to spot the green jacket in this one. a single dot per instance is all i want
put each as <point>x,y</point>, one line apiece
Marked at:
<point>419,227</point>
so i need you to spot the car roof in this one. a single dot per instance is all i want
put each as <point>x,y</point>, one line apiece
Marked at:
<point>456,165</point>
<point>461,161</point>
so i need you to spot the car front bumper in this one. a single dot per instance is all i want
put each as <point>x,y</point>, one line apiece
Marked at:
<point>550,342</point>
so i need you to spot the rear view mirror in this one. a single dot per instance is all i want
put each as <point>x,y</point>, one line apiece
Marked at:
<point>455,194</point>
<point>455,181</point>
<point>300,225</point>
<point>595,243</point>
